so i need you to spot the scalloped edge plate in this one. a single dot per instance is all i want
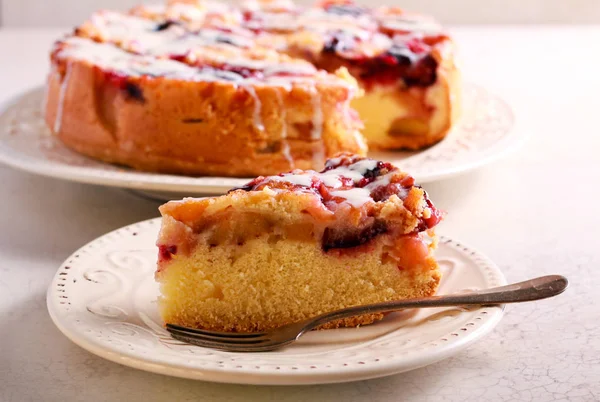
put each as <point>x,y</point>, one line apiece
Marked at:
<point>103,298</point>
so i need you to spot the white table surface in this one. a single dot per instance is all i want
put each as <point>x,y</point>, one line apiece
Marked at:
<point>535,212</point>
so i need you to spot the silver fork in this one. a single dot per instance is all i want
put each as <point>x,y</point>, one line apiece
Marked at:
<point>533,289</point>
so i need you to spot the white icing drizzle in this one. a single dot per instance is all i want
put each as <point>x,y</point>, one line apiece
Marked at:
<point>313,19</point>
<point>141,35</point>
<point>254,5</point>
<point>61,98</point>
<point>132,32</point>
<point>258,123</point>
<point>178,46</point>
<point>240,38</point>
<point>410,23</point>
<point>360,140</point>
<point>380,41</point>
<point>380,181</point>
<point>274,22</point>
<point>317,119</point>
<point>188,12</point>
<point>299,179</point>
<point>285,145</point>
<point>114,25</point>
<point>360,43</point>
<point>289,68</point>
<point>242,62</point>
<point>111,58</point>
<point>189,42</point>
<point>317,126</point>
<point>364,166</point>
<point>331,179</point>
<point>355,196</point>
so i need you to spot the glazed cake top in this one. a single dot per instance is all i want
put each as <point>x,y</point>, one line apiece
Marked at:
<point>351,202</point>
<point>258,42</point>
<point>349,180</point>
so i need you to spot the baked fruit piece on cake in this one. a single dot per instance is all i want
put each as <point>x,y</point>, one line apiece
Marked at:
<point>288,247</point>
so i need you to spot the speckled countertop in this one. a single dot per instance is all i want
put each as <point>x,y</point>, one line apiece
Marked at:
<point>535,212</point>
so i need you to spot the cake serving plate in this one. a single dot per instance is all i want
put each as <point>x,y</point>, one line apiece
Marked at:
<point>483,134</point>
<point>103,298</point>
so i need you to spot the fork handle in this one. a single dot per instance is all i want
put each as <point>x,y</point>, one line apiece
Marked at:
<point>533,289</point>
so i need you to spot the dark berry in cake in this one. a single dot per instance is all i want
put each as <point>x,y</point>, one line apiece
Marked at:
<point>402,54</point>
<point>164,25</point>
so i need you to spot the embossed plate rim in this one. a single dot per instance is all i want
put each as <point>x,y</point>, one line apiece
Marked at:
<point>200,367</point>
<point>99,173</point>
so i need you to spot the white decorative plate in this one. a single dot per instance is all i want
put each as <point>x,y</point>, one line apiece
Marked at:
<point>483,134</point>
<point>104,299</point>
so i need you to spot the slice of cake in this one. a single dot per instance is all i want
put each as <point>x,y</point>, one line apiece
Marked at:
<point>288,247</point>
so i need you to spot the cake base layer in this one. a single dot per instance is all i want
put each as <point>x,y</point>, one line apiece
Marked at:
<point>267,282</point>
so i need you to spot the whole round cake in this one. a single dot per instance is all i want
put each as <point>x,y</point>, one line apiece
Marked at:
<point>206,88</point>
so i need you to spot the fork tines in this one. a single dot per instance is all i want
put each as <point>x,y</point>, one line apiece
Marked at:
<point>221,337</point>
